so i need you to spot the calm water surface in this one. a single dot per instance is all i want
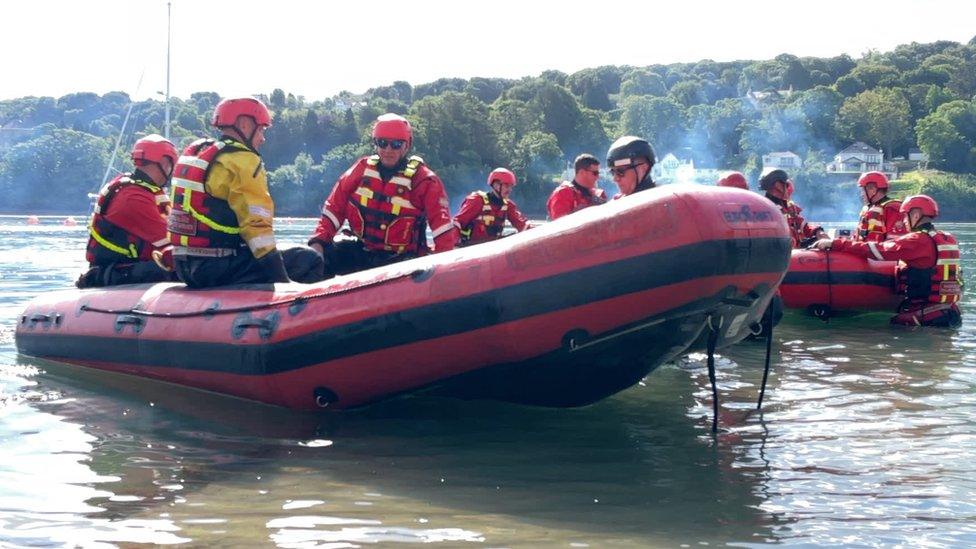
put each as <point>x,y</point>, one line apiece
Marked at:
<point>867,439</point>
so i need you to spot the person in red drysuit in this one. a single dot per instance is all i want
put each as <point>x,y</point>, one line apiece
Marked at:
<point>581,192</point>
<point>881,217</point>
<point>928,272</point>
<point>127,241</point>
<point>386,198</point>
<point>482,215</point>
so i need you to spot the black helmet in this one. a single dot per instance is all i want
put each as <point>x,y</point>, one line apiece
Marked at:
<point>629,148</point>
<point>767,181</point>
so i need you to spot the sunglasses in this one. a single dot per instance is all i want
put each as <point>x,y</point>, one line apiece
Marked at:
<point>619,172</point>
<point>395,144</point>
<point>594,172</point>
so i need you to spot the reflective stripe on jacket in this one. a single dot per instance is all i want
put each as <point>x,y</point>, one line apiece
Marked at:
<point>111,243</point>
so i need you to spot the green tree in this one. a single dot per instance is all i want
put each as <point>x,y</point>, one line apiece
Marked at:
<point>53,171</point>
<point>660,120</point>
<point>643,82</point>
<point>880,116</point>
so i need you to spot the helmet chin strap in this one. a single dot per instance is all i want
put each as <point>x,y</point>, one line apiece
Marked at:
<point>248,140</point>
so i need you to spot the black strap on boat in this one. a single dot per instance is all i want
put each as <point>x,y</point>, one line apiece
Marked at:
<point>830,290</point>
<point>768,328</point>
<point>214,310</point>
<point>712,340</point>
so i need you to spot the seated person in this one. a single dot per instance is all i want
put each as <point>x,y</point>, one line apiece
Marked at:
<point>482,215</point>
<point>128,227</point>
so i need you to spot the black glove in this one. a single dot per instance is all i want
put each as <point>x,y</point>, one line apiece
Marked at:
<point>809,241</point>
<point>92,278</point>
<point>274,267</point>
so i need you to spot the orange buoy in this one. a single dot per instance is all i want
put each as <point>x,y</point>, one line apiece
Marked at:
<point>33,220</point>
<point>69,222</point>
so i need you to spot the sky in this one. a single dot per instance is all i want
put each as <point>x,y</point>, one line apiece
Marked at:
<point>317,49</point>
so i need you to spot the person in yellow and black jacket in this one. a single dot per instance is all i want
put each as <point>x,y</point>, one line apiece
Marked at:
<point>127,241</point>
<point>221,222</point>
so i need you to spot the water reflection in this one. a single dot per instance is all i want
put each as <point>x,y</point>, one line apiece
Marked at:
<point>417,469</point>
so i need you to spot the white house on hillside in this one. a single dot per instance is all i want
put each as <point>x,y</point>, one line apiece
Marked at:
<point>785,160</point>
<point>857,158</point>
<point>666,168</point>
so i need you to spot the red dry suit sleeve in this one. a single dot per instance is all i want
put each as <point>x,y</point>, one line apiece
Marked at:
<point>561,202</point>
<point>136,212</point>
<point>916,249</point>
<point>469,210</point>
<point>432,195</point>
<point>515,217</point>
<point>334,209</point>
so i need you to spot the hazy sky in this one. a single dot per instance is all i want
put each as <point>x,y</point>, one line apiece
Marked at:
<point>316,49</point>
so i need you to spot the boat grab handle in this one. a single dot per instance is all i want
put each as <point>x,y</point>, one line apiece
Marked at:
<point>137,323</point>
<point>41,318</point>
<point>266,326</point>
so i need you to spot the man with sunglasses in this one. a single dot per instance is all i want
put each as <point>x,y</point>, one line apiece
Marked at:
<point>482,215</point>
<point>387,198</point>
<point>581,192</point>
<point>630,160</point>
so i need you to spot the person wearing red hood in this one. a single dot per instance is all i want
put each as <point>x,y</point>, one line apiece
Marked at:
<point>779,191</point>
<point>929,274</point>
<point>482,215</point>
<point>881,217</point>
<point>733,179</point>
<point>127,242</point>
<point>386,199</point>
<point>581,192</point>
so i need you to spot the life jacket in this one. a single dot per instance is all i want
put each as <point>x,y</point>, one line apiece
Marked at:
<point>382,214</point>
<point>109,243</point>
<point>873,220</point>
<point>794,220</point>
<point>583,197</point>
<point>198,219</point>
<point>489,223</point>
<point>941,283</point>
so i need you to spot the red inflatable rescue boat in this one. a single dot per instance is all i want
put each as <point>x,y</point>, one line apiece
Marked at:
<point>561,315</point>
<point>826,283</point>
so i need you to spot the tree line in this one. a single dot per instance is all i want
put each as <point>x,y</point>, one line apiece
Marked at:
<point>53,151</point>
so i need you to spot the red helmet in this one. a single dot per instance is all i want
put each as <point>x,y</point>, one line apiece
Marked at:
<point>734,179</point>
<point>392,126</point>
<point>228,110</point>
<point>153,148</point>
<point>923,202</point>
<point>503,176</point>
<point>878,178</point>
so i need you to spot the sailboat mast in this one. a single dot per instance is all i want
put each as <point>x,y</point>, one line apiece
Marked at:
<point>168,15</point>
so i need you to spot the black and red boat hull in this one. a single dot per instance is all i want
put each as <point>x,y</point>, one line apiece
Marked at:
<point>561,315</point>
